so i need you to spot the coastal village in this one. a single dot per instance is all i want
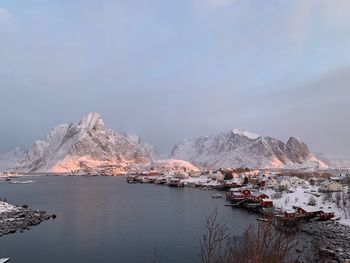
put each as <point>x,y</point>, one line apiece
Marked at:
<point>288,195</point>
<point>315,203</point>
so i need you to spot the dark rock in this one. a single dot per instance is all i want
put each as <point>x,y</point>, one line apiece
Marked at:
<point>21,219</point>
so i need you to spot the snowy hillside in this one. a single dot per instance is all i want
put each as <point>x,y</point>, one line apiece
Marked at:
<point>87,143</point>
<point>239,148</point>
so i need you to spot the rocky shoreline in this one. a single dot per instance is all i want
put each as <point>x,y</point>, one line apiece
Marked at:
<point>21,219</point>
<point>330,240</point>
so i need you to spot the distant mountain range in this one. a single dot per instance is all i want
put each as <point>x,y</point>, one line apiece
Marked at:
<point>239,148</point>
<point>89,143</point>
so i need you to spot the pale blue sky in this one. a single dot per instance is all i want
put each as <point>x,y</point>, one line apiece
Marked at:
<point>169,70</point>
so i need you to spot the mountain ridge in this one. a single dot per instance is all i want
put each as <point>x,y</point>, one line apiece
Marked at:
<point>240,148</point>
<point>89,143</point>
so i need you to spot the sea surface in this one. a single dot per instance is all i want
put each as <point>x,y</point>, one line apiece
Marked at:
<point>104,219</point>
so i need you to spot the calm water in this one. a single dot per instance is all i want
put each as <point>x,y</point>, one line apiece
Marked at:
<point>104,219</point>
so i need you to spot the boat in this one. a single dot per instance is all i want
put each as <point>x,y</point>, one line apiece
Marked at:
<point>175,183</point>
<point>132,179</point>
<point>216,195</point>
<point>160,181</point>
<point>22,182</point>
<point>5,178</point>
<point>3,260</point>
<point>262,219</point>
<point>146,180</point>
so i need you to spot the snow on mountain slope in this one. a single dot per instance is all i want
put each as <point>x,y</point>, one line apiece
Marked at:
<point>245,133</point>
<point>168,165</point>
<point>7,160</point>
<point>239,148</point>
<point>148,149</point>
<point>87,143</point>
<point>332,161</point>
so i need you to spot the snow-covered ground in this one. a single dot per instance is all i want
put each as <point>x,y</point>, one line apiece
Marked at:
<point>5,207</point>
<point>202,180</point>
<point>302,197</point>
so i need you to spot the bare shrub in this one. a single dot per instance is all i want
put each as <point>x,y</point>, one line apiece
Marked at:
<point>260,244</point>
<point>212,242</point>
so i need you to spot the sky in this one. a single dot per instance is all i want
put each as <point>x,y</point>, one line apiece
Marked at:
<point>169,70</point>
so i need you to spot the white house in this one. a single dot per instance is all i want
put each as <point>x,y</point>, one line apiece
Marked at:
<point>285,184</point>
<point>330,186</point>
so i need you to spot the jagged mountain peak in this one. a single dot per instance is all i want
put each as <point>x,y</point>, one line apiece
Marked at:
<point>239,148</point>
<point>243,132</point>
<point>92,121</point>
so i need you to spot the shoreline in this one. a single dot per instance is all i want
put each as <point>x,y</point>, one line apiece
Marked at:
<point>330,240</point>
<point>20,218</point>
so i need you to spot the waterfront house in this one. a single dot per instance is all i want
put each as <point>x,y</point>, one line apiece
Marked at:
<point>289,214</point>
<point>259,196</point>
<point>266,203</point>
<point>326,214</point>
<point>330,186</point>
<point>246,192</point>
<point>309,211</point>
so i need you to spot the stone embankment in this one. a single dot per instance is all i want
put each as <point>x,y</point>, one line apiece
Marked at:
<point>330,239</point>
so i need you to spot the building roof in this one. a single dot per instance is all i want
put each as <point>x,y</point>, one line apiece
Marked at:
<point>290,212</point>
<point>258,194</point>
<point>310,209</point>
<point>328,182</point>
<point>327,211</point>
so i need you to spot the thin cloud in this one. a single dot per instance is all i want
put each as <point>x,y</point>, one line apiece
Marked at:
<point>4,14</point>
<point>215,3</point>
<point>220,2</point>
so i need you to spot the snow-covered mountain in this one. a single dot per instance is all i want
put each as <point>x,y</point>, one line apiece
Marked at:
<point>333,161</point>
<point>239,148</point>
<point>85,144</point>
<point>7,160</point>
